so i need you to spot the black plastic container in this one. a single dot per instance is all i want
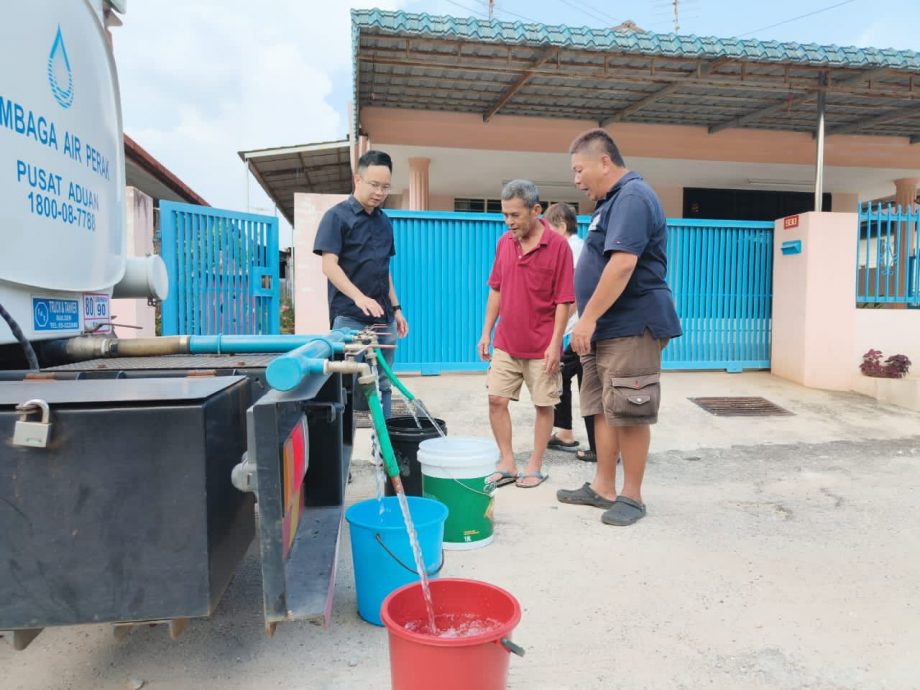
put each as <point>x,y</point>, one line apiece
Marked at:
<point>405,435</point>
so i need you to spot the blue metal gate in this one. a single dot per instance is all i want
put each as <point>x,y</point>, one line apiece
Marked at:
<point>719,271</point>
<point>721,275</point>
<point>223,271</point>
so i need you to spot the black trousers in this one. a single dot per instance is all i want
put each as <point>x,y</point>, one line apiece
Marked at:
<point>570,367</point>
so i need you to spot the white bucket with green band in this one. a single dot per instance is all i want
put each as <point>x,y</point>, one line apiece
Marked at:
<point>455,471</point>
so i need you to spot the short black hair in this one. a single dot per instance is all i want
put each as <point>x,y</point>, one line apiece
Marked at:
<point>375,158</point>
<point>601,141</point>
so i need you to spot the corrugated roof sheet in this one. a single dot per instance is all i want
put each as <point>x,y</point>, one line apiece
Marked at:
<point>322,168</point>
<point>645,43</point>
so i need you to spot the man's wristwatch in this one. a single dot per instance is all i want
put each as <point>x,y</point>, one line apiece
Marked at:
<point>396,307</point>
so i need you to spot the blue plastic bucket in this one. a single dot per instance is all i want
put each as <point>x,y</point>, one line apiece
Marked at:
<point>381,552</point>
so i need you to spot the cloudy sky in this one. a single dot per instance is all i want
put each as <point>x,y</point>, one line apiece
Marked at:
<point>203,79</point>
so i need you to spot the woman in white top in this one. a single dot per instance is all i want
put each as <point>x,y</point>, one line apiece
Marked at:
<point>562,219</point>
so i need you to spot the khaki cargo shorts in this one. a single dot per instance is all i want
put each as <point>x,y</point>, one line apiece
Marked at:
<point>621,380</point>
<point>507,373</point>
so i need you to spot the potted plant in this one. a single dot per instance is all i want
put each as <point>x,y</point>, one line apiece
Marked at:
<point>895,367</point>
<point>891,384</point>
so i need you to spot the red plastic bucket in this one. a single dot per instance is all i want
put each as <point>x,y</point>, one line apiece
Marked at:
<point>419,661</point>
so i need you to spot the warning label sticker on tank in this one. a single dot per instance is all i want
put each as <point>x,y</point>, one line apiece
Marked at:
<point>50,314</point>
<point>96,315</point>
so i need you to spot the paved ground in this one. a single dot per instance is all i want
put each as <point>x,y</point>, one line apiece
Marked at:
<point>779,552</point>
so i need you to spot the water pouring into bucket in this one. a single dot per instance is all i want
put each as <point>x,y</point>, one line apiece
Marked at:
<point>406,435</point>
<point>369,385</point>
<point>417,408</point>
<point>383,554</point>
<point>471,646</point>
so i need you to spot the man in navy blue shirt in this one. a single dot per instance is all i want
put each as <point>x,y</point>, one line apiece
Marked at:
<point>355,239</point>
<point>626,317</point>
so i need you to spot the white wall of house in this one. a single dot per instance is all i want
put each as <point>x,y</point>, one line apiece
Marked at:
<point>894,332</point>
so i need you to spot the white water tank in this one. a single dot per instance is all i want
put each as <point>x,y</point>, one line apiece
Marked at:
<point>62,169</point>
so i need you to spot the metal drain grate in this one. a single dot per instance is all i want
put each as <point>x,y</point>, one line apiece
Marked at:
<point>400,408</point>
<point>740,407</point>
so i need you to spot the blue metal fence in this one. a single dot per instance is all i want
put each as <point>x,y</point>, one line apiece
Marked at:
<point>719,271</point>
<point>440,271</point>
<point>223,271</point>
<point>887,268</point>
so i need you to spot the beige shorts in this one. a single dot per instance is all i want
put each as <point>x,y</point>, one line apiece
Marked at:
<point>507,373</point>
<point>620,378</point>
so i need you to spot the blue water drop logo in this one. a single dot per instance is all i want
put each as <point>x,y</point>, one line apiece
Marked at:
<point>59,71</point>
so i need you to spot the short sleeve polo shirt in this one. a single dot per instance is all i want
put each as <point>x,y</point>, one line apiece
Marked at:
<point>630,219</point>
<point>364,244</point>
<point>531,285</point>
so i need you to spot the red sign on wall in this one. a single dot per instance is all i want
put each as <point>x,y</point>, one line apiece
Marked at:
<point>790,222</point>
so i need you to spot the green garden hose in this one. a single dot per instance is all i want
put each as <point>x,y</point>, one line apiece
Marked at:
<point>382,363</point>
<point>380,426</point>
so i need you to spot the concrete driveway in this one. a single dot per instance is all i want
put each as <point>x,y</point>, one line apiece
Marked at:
<point>778,552</point>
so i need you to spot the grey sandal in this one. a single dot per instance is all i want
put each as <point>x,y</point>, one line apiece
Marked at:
<point>583,496</point>
<point>623,512</point>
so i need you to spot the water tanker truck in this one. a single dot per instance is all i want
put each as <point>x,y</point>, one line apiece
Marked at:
<point>132,470</point>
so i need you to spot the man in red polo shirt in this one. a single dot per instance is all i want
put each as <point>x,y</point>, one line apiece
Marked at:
<point>531,288</point>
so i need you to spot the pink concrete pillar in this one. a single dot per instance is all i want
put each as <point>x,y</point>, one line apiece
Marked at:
<point>359,146</point>
<point>311,308</point>
<point>814,258</point>
<point>845,202</point>
<point>418,184</point>
<point>905,192</point>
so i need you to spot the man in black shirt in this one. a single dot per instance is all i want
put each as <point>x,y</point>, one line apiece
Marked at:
<point>626,317</point>
<point>355,240</point>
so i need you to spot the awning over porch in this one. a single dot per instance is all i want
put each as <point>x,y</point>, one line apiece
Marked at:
<point>472,65</point>
<point>323,168</point>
